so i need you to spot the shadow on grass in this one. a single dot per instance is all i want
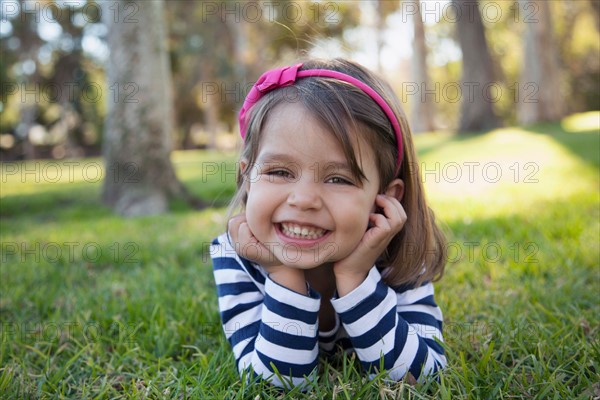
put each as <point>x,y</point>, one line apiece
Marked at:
<point>83,201</point>
<point>214,193</point>
<point>449,138</point>
<point>50,205</point>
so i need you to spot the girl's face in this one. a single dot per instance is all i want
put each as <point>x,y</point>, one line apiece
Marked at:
<point>303,203</point>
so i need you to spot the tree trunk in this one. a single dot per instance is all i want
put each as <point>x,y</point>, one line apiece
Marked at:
<point>540,88</point>
<point>477,82</point>
<point>242,46</point>
<point>379,25</point>
<point>422,112</point>
<point>210,105</point>
<point>596,9</point>
<point>139,122</point>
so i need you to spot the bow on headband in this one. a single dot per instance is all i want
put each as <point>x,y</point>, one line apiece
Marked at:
<point>286,76</point>
<point>273,79</point>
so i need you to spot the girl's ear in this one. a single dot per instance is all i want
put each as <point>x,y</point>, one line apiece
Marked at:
<point>243,167</point>
<point>395,189</point>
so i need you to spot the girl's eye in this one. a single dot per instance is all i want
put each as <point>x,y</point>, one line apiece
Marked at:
<point>339,180</point>
<point>280,173</point>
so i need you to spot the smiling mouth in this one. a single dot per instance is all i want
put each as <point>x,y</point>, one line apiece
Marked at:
<point>297,231</point>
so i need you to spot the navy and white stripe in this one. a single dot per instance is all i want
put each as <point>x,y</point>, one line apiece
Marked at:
<point>273,328</point>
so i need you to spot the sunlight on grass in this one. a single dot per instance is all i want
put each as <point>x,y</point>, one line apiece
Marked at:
<point>488,173</point>
<point>584,122</point>
<point>38,176</point>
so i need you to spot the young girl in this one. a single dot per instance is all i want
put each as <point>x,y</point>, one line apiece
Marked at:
<point>334,244</point>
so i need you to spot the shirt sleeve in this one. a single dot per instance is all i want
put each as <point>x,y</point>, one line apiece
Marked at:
<point>270,327</point>
<point>403,327</point>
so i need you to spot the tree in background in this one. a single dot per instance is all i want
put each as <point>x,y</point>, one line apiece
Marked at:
<point>218,49</point>
<point>576,32</point>
<point>476,109</point>
<point>28,43</point>
<point>383,8</point>
<point>422,112</point>
<point>47,85</point>
<point>540,70</point>
<point>140,177</point>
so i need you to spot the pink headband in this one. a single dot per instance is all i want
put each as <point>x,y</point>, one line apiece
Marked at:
<point>286,76</point>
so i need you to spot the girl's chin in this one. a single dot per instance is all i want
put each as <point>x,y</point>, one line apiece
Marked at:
<point>306,259</point>
<point>298,263</point>
<point>303,266</point>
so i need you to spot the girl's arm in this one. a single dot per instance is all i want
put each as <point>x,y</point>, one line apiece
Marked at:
<point>403,327</point>
<point>269,326</point>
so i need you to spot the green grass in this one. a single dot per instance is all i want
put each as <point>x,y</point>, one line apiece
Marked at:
<point>95,306</point>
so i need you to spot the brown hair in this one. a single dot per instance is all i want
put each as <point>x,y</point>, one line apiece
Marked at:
<point>418,252</point>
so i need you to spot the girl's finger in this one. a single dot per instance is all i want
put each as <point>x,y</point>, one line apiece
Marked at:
<point>380,233</point>
<point>391,207</point>
<point>250,247</point>
<point>379,221</point>
<point>245,235</point>
<point>233,226</point>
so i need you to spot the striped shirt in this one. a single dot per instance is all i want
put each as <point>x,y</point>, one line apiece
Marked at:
<point>272,327</point>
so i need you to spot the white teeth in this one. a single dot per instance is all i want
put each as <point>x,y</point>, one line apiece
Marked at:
<point>302,232</point>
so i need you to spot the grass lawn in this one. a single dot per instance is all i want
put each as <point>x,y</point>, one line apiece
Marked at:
<point>95,306</point>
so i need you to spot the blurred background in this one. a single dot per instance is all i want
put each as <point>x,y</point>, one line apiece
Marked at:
<point>55,90</point>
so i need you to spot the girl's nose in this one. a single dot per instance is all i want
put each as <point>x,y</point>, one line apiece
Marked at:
<point>304,198</point>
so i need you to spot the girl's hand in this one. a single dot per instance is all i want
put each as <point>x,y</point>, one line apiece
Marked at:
<point>352,270</point>
<point>249,247</point>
